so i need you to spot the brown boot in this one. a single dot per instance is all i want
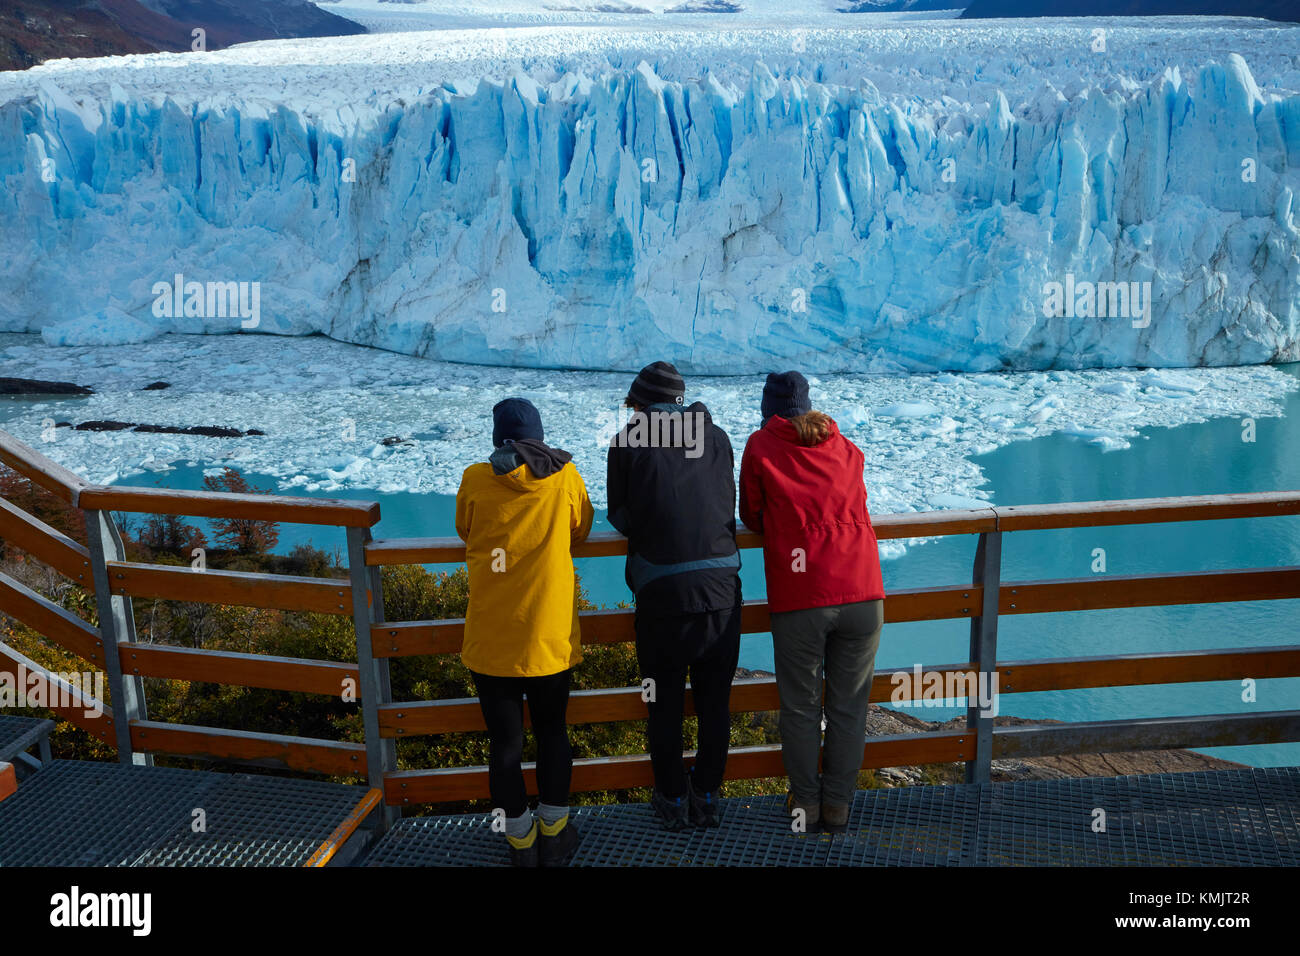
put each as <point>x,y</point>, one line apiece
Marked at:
<point>835,819</point>
<point>812,813</point>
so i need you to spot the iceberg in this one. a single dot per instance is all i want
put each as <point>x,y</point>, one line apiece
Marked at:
<point>732,225</point>
<point>109,326</point>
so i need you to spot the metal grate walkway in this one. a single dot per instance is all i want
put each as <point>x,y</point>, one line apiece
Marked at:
<point>17,734</point>
<point>80,813</point>
<point>1225,817</point>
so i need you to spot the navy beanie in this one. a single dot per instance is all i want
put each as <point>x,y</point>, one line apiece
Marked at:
<point>785,394</point>
<point>659,383</point>
<point>514,419</point>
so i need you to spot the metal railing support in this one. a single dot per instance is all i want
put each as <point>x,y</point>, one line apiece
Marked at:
<point>116,626</point>
<point>376,687</point>
<point>986,575</point>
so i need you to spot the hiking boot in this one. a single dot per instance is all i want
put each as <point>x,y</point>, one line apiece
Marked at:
<point>559,840</point>
<point>705,811</point>
<point>812,820</point>
<point>671,811</point>
<point>525,851</point>
<point>835,818</point>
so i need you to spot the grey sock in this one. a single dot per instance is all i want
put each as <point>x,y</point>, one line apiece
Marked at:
<point>519,826</point>
<point>551,814</point>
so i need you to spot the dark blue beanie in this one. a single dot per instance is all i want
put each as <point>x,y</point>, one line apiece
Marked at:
<point>785,394</point>
<point>514,419</point>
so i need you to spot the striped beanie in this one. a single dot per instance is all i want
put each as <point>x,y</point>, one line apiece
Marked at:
<point>655,384</point>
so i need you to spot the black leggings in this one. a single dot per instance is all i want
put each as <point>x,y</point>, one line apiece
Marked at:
<point>502,700</point>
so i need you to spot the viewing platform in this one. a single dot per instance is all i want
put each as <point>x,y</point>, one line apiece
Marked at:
<point>78,813</point>
<point>131,813</point>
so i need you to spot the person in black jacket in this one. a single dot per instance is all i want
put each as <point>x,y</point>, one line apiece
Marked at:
<point>672,492</point>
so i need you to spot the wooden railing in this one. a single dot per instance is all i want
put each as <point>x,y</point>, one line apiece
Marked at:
<point>102,569</point>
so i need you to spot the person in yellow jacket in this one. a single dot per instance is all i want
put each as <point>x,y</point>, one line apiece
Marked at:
<point>520,513</point>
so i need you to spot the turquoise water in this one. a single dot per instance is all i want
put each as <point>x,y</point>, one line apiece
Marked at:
<point>1191,459</point>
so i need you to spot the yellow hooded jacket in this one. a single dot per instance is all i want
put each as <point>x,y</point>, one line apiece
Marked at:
<point>523,593</point>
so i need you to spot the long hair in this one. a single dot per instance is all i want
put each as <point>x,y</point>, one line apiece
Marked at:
<point>813,427</point>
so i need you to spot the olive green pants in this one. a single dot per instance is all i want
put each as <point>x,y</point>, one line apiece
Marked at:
<point>836,644</point>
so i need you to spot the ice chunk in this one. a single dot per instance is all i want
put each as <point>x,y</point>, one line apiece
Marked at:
<point>107,326</point>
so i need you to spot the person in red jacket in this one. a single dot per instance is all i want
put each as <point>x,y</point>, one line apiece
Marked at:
<point>801,487</point>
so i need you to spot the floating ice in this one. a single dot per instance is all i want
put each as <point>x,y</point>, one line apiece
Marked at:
<point>325,430</point>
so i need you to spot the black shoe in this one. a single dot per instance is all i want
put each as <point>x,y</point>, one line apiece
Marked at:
<point>529,855</point>
<point>671,811</point>
<point>557,849</point>
<point>705,811</point>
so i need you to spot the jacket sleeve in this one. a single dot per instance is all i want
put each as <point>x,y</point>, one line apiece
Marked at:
<point>581,513</point>
<point>464,511</point>
<point>616,490</point>
<point>751,489</point>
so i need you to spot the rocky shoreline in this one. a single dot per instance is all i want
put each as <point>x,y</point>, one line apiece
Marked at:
<point>882,722</point>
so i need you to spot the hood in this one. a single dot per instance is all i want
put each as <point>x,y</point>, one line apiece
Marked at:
<point>652,425</point>
<point>782,429</point>
<point>695,408</point>
<point>541,459</point>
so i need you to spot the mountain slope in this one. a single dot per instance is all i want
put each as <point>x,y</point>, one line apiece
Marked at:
<point>1286,10</point>
<point>33,31</point>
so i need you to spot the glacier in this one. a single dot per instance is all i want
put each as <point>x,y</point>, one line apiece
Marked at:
<point>600,214</point>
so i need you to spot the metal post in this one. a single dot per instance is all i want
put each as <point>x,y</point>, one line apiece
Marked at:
<point>116,626</point>
<point>376,688</point>
<point>987,575</point>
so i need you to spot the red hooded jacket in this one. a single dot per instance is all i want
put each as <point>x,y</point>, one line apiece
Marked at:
<point>810,504</point>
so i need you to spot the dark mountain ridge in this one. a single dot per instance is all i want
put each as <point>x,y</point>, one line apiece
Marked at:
<point>1283,10</point>
<point>33,31</point>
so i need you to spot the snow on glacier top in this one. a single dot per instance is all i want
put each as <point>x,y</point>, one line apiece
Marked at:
<point>909,57</point>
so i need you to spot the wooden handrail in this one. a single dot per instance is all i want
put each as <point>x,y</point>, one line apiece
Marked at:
<point>449,784</point>
<point>614,626</point>
<point>411,638</point>
<point>604,544</point>
<point>333,757</point>
<point>46,544</point>
<point>45,617</point>
<point>224,504</point>
<point>49,474</point>
<point>925,524</point>
<point>93,716</point>
<point>1098,514</point>
<point>242,670</point>
<point>242,588</point>
<point>757,694</point>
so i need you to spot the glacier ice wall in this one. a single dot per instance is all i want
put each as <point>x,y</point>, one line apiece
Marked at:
<point>601,222</point>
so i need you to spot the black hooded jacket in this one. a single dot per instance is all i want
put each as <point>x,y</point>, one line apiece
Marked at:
<point>672,492</point>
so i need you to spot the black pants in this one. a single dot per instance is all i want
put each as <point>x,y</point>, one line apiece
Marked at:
<point>667,648</point>
<point>502,700</point>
